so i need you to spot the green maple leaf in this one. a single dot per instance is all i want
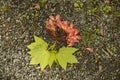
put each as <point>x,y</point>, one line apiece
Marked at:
<point>39,53</point>
<point>52,57</point>
<point>65,55</point>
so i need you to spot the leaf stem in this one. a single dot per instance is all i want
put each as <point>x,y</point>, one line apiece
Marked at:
<point>52,47</point>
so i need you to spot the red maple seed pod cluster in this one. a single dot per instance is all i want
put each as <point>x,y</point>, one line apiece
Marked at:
<point>53,23</point>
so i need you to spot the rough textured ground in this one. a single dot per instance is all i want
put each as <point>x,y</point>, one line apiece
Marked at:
<point>20,20</point>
